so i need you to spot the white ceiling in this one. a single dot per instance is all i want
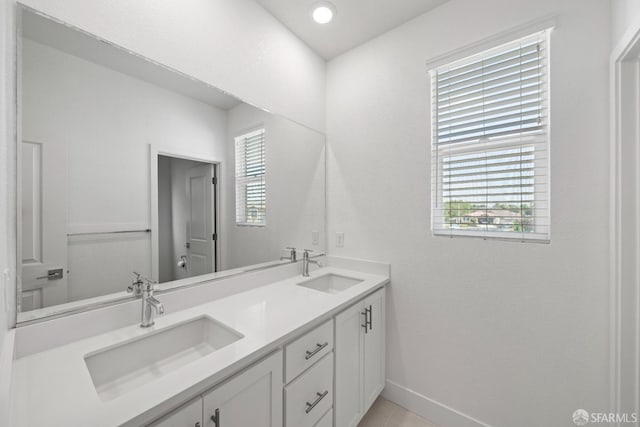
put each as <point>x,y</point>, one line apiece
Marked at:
<point>356,21</point>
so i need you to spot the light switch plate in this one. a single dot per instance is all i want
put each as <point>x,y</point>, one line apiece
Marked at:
<point>339,239</point>
<point>315,237</point>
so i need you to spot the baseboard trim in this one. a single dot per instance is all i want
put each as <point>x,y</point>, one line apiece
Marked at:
<point>434,411</point>
<point>7,354</point>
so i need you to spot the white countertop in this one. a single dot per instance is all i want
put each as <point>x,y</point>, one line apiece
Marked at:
<point>54,387</point>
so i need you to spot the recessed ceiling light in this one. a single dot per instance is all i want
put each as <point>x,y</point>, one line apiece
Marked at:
<point>323,12</point>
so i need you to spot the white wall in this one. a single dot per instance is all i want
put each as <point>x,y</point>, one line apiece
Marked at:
<point>624,13</point>
<point>511,334</point>
<point>7,205</point>
<point>295,180</point>
<point>7,171</point>
<point>232,44</point>
<point>126,115</point>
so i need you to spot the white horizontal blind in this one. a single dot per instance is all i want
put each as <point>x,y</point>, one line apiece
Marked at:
<point>251,198</point>
<point>490,143</point>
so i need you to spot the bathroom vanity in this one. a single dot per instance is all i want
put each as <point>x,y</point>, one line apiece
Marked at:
<point>297,352</point>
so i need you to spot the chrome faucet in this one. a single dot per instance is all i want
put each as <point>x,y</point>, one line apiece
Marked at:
<point>292,255</point>
<point>306,261</point>
<point>144,288</point>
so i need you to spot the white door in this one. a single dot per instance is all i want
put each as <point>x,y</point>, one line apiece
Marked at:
<point>44,224</point>
<point>349,348</point>
<point>374,348</point>
<point>200,239</point>
<point>188,415</point>
<point>252,398</point>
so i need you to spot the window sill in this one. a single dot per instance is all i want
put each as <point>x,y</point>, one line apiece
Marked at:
<point>487,235</point>
<point>240,224</point>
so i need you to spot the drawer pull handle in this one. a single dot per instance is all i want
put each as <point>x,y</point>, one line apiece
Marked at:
<point>321,396</point>
<point>319,347</point>
<point>366,322</point>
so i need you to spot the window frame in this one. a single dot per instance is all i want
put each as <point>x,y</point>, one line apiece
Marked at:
<point>489,144</point>
<point>240,137</point>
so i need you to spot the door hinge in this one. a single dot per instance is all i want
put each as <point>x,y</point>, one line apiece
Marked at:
<point>214,236</point>
<point>214,180</point>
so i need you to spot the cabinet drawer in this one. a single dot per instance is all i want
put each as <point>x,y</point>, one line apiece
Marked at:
<point>310,396</point>
<point>307,350</point>
<point>326,420</point>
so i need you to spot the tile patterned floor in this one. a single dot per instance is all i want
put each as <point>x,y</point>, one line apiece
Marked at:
<point>384,413</point>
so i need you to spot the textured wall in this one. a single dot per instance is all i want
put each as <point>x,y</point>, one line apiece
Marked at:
<point>511,334</point>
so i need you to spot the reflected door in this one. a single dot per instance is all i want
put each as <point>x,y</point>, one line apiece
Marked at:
<point>201,220</point>
<point>44,231</point>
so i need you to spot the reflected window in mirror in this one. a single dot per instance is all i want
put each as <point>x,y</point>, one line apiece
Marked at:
<point>251,197</point>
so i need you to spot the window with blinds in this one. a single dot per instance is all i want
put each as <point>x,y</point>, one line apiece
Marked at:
<point>490,143</point>
<point>251,197</point>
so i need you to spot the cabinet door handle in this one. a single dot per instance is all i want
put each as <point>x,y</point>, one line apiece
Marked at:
<point>319,347</point>
<point>369,322</point>
<point>366,323</point>
<point>197,424</point>
<point>321,396</point>
<point>216,418</point>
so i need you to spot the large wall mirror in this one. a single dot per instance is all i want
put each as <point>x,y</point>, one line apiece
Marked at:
<point>126,165</point>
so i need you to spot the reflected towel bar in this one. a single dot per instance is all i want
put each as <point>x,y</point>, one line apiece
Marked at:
<point>146,230</point>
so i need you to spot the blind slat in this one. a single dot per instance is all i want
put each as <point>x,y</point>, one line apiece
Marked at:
<point>497,123</point>
<point>490,117</point>
<point>528,60</point>
<point>456,71</point>
<point>513,87</point>
<point>481,108</point>
<point>516,77</point>
<point>494,101</point>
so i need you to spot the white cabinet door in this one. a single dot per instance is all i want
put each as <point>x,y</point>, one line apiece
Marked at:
<point>251,398</point>
<point>374,348</point>
<point>349,349</point>
<point>360,358</point>
<point>326,420</point>
<point>189,415</point>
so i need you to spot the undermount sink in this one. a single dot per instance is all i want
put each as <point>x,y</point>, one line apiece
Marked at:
<point>330,283</point>
<point>117,370</point>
